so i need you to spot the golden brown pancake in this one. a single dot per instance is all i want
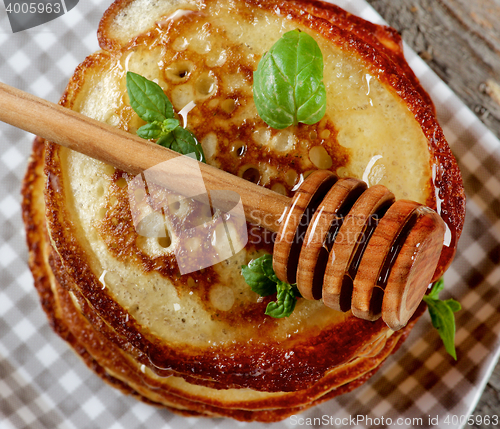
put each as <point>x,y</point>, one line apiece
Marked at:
<point>201,342</point>
<point>116,368</point>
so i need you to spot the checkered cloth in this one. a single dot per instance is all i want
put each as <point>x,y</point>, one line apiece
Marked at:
<point>43,384</point>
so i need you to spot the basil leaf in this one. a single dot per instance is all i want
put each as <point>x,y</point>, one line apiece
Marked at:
<point>169,125</point>
<point>288,84</point>
<point>156,129</point>
<point>150,131</point>
<point>436,289</point>
<point>442,317</point>
<point>443,320</point>
<point>256,277</point>
<point>182,141</point>
<point>148,99</point>
<point>453,305</point>
<point>267,267</point>
<point>285,301</point>
<point>262,279</point>
<point>152,105</point>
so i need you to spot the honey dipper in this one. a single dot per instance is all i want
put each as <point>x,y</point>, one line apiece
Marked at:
<point>352,246</point>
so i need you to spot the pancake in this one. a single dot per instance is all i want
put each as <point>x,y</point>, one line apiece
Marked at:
<point>114,366</point>
<point>200,343</point>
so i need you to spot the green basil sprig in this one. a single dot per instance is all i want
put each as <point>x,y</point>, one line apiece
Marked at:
<point>442,316</point>
<point>288,84</point>
<point>260,276</point>
<point>152,105</point>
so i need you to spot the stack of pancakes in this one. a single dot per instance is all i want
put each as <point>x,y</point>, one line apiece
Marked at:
<point>200,344</point>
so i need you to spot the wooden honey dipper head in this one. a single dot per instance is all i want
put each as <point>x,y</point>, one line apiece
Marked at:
<point>358,249</point>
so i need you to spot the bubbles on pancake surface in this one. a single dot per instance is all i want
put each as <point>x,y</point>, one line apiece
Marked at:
<point>238,148</point>
<point>228,105</point>
<point>121,183</point>
<point>179,71</point>
<point>100,191</point>
<point>250,173</point>
<point>113,120</point>
<point>209,143</point>
<point>284,141</point>
<point>279,188</point>
<point>261,136</point>
<point>164,242</point>
<point>180,44</point>
<point>320,158</point>
<point>217,58</point>
<point>109,170</point>
<point>325,134</point>
<point>101,214</point>
<point>291,177</point>
<point>182,95</point>
<point>206,85</point>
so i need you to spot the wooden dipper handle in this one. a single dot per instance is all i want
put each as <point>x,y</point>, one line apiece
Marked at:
<point>351,246</point>
<point>130,153</point>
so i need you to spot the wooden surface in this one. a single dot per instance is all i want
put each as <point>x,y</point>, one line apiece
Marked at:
<point>460,41</point>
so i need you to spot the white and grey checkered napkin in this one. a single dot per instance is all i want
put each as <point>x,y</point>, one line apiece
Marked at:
<point>43,384</point>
